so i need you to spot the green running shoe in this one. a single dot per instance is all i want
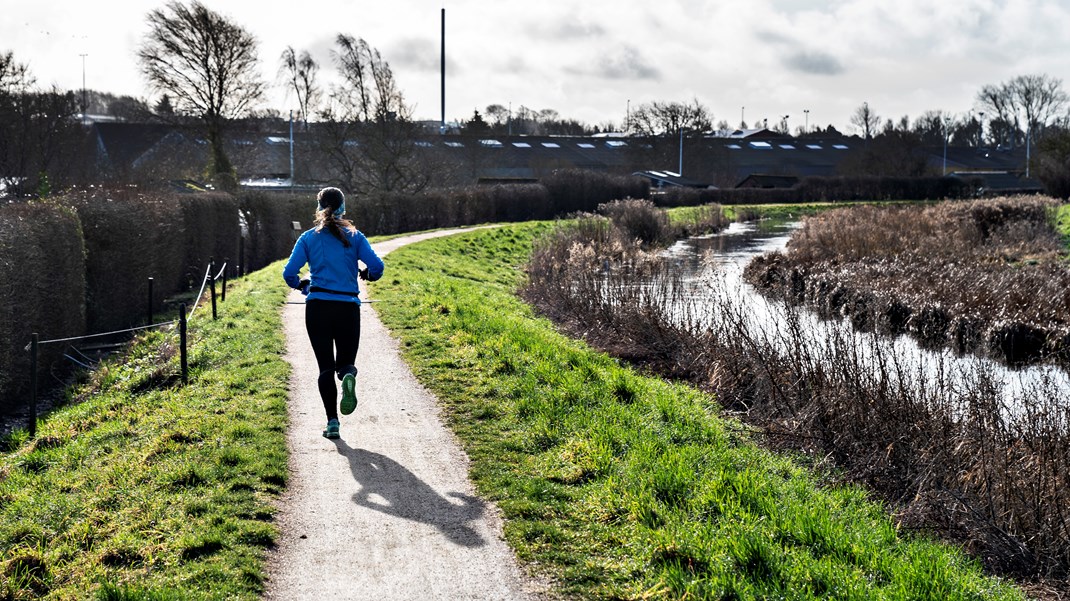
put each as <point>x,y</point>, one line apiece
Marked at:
<point>332,430</point>
<point>349,394</point>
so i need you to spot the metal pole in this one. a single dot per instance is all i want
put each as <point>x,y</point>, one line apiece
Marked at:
<point>292,149</point>
<point>223,297</point>
<point>182,342</point>
<point>680,167</point>
<point>33,384</point>
<point>149,307</point>
<point>85,101</point>
<point>443,60</point>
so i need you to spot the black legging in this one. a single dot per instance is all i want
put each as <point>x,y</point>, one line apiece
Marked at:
<point>331,326</point>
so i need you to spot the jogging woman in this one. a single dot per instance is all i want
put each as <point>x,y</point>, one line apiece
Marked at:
<point>333,250</point>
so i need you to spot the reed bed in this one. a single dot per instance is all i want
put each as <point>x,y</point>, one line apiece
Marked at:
<point>987,277</point>
<point>950,453</point>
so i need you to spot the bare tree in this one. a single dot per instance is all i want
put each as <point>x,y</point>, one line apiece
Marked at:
<point>14,76</point>
<point>369,137</point>
<point>208,65</point>
<point>1038,99</point>
<point>662,118</point>
<point>865,120</point>
<point>41,140</point>
<point>300,73</point>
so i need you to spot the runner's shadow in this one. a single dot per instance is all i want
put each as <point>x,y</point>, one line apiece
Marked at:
<point>389,487</point>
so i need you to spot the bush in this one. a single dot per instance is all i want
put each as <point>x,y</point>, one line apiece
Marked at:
<point>42,265</point>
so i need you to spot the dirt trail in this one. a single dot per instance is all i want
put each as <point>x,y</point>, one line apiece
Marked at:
<point>387,511</point>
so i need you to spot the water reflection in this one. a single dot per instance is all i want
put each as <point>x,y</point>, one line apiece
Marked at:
<point>711,269</point>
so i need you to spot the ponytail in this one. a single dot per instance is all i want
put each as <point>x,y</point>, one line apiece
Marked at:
<point>325,218</point>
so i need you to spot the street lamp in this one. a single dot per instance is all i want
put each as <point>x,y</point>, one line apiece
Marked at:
<point>742,121</point>
<point>806,121</point>
<point>84,101</point>
<point>981,129</point>
<point>947,122</point>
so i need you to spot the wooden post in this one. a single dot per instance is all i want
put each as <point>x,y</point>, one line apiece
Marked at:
<point>241,257</point>
<point>33,384</point>
<point>211,284</point>
<point>182,342</point>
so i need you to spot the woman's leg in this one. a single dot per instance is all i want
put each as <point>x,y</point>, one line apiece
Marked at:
<point>320,327</point>
<point>347,339</point>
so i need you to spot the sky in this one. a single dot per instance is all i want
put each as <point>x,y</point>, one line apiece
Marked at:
<point>594,60</point>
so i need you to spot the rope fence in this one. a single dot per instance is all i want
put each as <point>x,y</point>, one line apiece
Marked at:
<point>208,281</point>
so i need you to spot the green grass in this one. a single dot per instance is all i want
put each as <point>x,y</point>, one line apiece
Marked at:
<point>623,486</point>
<point>1062,221</point>
<point>147,489</point>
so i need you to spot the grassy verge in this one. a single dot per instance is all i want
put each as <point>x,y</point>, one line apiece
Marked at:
<point>620,485</point>
<point>147,489</point>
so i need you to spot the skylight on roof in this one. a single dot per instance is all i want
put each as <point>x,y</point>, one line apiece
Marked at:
<point>424,144</point>
<point>761,145</point>
<point>615,143</point>
<point>839,147</point>
<point>787,147</point>
<point>585,145</point>
<point>521,144</point>
<point>492,143</point>
<point>814,146</point>
<point>454,144</point>
<point>733,146</point>
<point>551,145</point>
<point>277,140</point>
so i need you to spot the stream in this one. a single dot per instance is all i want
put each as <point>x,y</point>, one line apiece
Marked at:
<point>712,267</point>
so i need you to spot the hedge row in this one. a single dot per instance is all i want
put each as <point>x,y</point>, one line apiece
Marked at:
<point>42,266</point>
<point>827,189</point>
<point>81,263</point>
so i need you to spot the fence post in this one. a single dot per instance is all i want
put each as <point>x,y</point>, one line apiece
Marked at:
<point>241,256</point>
<point>211,284</point>
<point>182,342</point>
<point>149,312</point>
<point>33,384</point>
<point>223,296</point>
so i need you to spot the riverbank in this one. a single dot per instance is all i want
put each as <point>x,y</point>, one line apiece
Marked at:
<point>620,485</point>
<point>945,448</point>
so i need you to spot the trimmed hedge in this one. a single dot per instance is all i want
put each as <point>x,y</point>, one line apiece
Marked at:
<point>42,265</point>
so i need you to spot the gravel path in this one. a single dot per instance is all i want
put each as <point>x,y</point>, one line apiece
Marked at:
<point>387,511</point>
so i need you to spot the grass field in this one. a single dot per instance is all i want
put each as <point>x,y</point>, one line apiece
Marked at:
<point>622,486</point>
<point>146,489</point>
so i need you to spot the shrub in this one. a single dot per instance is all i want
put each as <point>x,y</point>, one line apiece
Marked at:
<point>42,263</point>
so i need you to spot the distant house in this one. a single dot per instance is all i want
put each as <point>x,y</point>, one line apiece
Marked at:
<point>668,179</point>
<point>999,182</point>
<point>764,180</point>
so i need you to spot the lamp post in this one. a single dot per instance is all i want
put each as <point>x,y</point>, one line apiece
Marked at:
<point>742,121</point>
<point>680,166</point>
<point>981,129</point>
<point>806,121</point>
<point>946,121</point>
<point>84,101</point>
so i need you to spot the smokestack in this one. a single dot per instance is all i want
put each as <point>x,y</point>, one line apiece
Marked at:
<point>442,126</point>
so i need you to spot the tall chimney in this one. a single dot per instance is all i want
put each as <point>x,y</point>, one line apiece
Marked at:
<point>442,126</point>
